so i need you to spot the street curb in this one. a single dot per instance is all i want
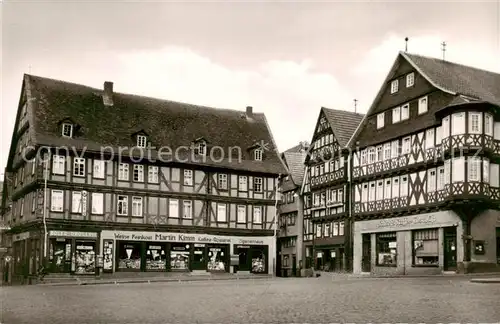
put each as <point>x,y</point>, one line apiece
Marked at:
<point>486,280</point>
<point>152,280</point>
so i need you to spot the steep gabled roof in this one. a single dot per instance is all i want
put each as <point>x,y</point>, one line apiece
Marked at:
<point>295,164</point>
<point>456,79</point>
<point>168,123</point>
<point>343,123</point>
<point>299,148</point>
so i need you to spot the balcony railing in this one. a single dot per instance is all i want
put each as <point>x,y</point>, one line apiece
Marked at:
<point>328,178</point>
<point>471,141</point>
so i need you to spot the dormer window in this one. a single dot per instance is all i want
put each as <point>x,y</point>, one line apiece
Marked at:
<point>141,141</point>
<point>201,148</point>
<point>67,130</point>
<point>257,154</point>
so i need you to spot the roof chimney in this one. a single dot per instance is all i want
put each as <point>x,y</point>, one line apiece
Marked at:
<point>249,111</point>
<point>107,96</point>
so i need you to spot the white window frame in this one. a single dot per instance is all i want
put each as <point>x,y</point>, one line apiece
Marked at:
<point>410,79</point>
<point>458,126</point>
<point>474,169</point>
<point>423,105</point>
<point>188,177</point>
<point>395,149</point>
<point>97,199</point>
<point>123,172</point>
<point>458,169</point>
<point>56,200</point>
<point>173,208</point>
<point>241,217</point>
<point>242,183</point>
<point>372,187</point>
<point>403,189</point>
<point>380,154</point>
<point>447,172</point>
<point>137,206</point>
<point>257,154</point>
<point>388,188</point>
<point>488,124</point>
<point>380,190</point>
<point>396,115</point>
<point>364,192</point>
<point>394,86</point>
<point>429,138</point>
<point>221,213</point>
<point>445,127</point>
<point>258,184</point>
<point>406,147</point>
<point>187,205</point>
<point>257,215</point>
<point>395,187</point>
<point>341,228</point>
<point>335,229</point>
<point>319,230</point>
<point>441,181</point>
<point>326,230</point>
<point>67,130</point>
<point>122,200</point>
<point>142,141</point>
<point>76,202</point>
<point>153,174</point>
<point>201,148</point>
<point>486,170</point>
<point>431,180</point>
<point>138,175</point>
<point>58,164</point>
<point>380,120</point>
<point>473,127</point>
<point>222,183</point>
<point>372,157</point>
<point>78,167</point>
<point>405,111</point>
<point>98,171</point>
<point>387,151</point>
<point>364,159</point>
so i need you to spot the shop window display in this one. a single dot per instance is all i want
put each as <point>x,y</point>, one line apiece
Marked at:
<point>179,257</point>
<point>156,258</point>
<point>216,259</point>
<point>108,256</point>
<point>129,256</point>
<point>85,258</point>
<point>426,247</point>
<point>258,262</point>
<point>386,249</point>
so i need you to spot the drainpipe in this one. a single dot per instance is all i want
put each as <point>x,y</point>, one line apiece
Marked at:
<point>45,233</point>
<point>276,200</point>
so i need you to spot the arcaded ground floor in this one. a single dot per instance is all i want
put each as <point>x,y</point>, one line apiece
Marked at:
<point>288,300</point>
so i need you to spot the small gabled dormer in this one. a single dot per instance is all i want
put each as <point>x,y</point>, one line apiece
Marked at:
<point>256,152</point>
<point>141,139</point>
<point>68,128</point>
<point>200,146</point>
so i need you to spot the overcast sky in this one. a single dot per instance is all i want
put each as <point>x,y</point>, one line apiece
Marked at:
<point>286,59</point>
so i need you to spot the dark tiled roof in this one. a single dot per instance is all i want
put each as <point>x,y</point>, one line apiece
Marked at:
<point>167,123</point>
<point>301,147</point>
<point>295,164</point>
<point>343,123</point>
<point>458,78</point>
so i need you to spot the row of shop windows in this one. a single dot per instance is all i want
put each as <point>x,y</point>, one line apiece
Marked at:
<point>425,248</point>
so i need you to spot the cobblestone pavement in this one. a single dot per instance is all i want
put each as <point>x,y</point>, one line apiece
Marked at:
<point>304,300</point>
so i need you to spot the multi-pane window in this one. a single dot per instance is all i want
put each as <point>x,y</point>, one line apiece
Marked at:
<point>426,247</point>
<point>58,164</point>
<point>371,194</point>
<point>79,167</point>
<point>335,229</point>
<point>201,148</point>
<point>386,244</point>
<point>486,170</point>
<point>137,206</point>
<point>371,154</point>
<point>429,138</point>
<point>396,115</point>
<point>187,208</point>
<point>474,123</point>
<point>257,215</point>
<point>97,203</point>
<point>76,203</point>
<point>326,230</point>
<point>445,128</point>
<point>440,178</point>
<point>98,169</point>
<point>123,172</point>
<point>138,173</point>
<point>318,230</point>
<point>257,184</point>
<point>67,130</point>
<point>410,79</point>
<point>388,189</point>
<point>422,105</point>
<point>122,205</point>
<point>173,208</point>
<point>394,86</point>
<point>242,183</point>
<point>221,213</point>
<point>404,186</point>
<point>379,154</point>
<point>141,141</point>
<point>380,120</point>
<point>387,151</point>
<point>341,228</point>
<point>242,214</point>
<point>153,174</point>
<point>395,149</point>
<point>257,154</point>
<point>380,190</point>
<point>474,168</point>
<point>405,112</point>
<point>188,177</point>
<point>488,124</point>
<point>57,200</point>
<point>431,180</point>
<point>407,145</point>
<point>222,181</point>
<point>395,187</point>
<point>363,157</point>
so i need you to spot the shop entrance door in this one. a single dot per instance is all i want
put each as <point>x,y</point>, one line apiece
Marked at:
<point>243,252</point>
<point>341,259</point>
<point>450,249</point>
<point>218,258</point>
<point>199,260</point>
<point>259,259</point>
<point>366,258</point>
<point>60,255</point>
<point>294,265</point>
<point>85,257</point>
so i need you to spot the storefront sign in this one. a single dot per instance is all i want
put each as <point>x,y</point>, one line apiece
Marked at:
<point>84,203</point>
<point>73,234</point>
<point>407,221</point>
<point>21,236</point>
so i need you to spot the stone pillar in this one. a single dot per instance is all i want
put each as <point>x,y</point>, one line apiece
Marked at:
<point>441,248</point>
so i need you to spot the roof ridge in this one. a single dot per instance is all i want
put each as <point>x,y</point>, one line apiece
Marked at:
<point>347,111</point>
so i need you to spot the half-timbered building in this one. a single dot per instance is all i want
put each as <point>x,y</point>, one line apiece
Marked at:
<point>109,182</point>
<point>326,204</point>
<point>425,171</point>
<point>290,221</point>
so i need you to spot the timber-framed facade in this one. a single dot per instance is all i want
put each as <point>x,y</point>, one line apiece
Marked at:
<point>87,170</point>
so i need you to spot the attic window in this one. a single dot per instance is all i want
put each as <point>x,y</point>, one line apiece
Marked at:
<point>201,148</point>
<point>394,86</point>
<point>141,141</point>
<point>67,130</point>
<point>410,79</point>
<point>257,154</point>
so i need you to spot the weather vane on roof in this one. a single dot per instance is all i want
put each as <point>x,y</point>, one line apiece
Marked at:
<point>355,105</point>
<point>443,48</point>
<point>406,44</point>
